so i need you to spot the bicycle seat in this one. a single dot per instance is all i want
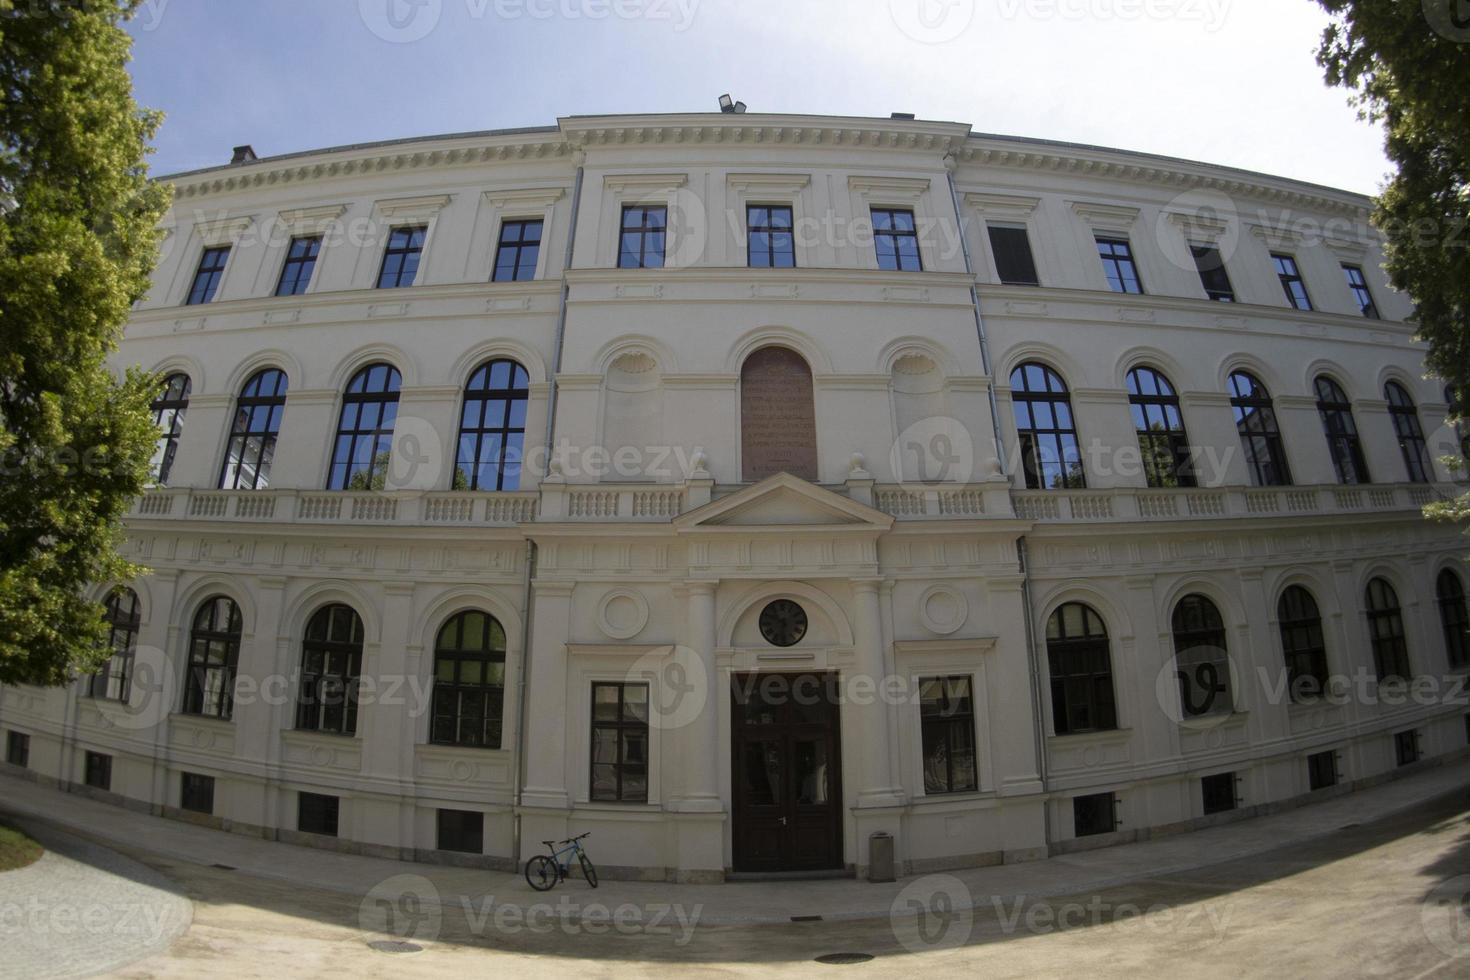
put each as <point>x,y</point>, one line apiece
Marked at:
<point>549,843</point>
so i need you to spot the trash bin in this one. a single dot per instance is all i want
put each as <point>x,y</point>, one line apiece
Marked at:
<point>880,857</point>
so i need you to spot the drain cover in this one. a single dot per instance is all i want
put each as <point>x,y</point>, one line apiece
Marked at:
<point>844,959</point>
<point>806,918</point>
<point>394,946</point>
<point>223,867</point>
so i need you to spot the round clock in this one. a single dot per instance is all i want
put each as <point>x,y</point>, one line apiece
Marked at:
<point>783,623</point>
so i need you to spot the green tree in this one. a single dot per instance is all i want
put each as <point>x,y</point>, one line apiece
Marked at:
<point>78,238</point>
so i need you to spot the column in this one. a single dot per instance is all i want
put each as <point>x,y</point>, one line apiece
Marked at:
<point>546,708</point>
<point>878,787</point>
<point>699,737</point>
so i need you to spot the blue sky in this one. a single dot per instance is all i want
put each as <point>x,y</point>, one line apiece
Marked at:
<point>1226,81</point>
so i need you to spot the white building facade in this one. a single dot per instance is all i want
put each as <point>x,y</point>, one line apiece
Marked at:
<point>738,487</point>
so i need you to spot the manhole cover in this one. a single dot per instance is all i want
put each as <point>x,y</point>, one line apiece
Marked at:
<point>394,946</point>
<point>844,959</point>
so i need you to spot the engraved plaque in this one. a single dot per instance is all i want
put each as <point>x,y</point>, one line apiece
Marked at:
<point>778,425</point>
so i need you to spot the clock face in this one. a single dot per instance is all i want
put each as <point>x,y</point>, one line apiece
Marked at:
<point>783,623</point>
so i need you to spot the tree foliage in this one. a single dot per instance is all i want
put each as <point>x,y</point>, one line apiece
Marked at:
<point>78,238</point>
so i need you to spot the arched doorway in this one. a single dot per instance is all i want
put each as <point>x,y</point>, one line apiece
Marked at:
<point>778,424</point>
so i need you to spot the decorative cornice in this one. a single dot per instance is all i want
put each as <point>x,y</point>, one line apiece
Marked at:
<point>410,208</point>
<point>528,197</point>
<point>888,188</point>
<point>1007,207</point>
<point>1277,237</point>
<point>769,183</point>
<point>644,182</point>
<point>1198,227</point>
<point>223,230</point>
<point>311,219</point>
<point>1105,217</point>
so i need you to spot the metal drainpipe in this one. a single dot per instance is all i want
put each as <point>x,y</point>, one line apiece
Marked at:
<point>1037,735</point>
<point>531,551</point>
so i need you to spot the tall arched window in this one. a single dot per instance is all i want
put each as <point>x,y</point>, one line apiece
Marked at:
<point>252,445</point>
<point>214,652</point>
<point>1260,436</point>
<point>168,415</point>
<point>115,680</point>
<point>1167,459</point>
<point>365,430</point>
<point>1453,617</point>
<point>778,416</point>
<point>492,428</point>
<point>1411,436</point>
<point>1342,431</point>
<point>1302,643</point>
<point>1202,663</point>
<point>1081,666</point>
<point>1050,455</point>
<point>331,663</point>
<point>1386,631</point>
<point>469,681</point>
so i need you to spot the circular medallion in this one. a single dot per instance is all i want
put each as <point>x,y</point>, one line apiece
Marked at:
<point>783,623</point>
<point>622,614</point>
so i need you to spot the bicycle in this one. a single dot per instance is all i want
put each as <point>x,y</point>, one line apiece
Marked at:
<point>544,871</point>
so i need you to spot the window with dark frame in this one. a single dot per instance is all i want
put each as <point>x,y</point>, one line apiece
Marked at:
<point>462,831</point>
<point>1303,644</point>
<point>1411,437</point>
<point>1014,263</point>
<point>1291,281</point>
<point>770,237</point>
<point>1212,274</point>
<point>643,236</point>
<point>1358,283</point>
<point>1321,770</point>
<point>331,664</point>
<point>18,749</point>
<point>98,771</point>
<point>114,681</point>
<point>620,742</point>
<point>401,257</point>
<point>469,681</point>
<point>1050,455</point>
<point>1386,631</point>
<point>947,727</point>
<point>518,250</point>
<point>896,240</point>
<point>196,793</point>
<point>252,445</point>
<point>207,276</point>
<point>363,448</point>
<point>1218,792</point>
<point>1406,747</point>
<point>1079,657</point>
<point>300,262</point>
<point>1260,435</point>
<point>317,814</point>
<point>1202,663</point>
<point>1449,593</point>
<point>1168,460</point>
<point>1118,264</point>
<point>168,417</point>
<point>492,428</point>
<point>1093,814</point>
<point>214,652</point>
<point>1343,443</point>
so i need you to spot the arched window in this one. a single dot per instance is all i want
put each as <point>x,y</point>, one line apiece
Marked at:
<point>469,681</point>
<point>1341,430</point>
<point>115,680</point>
<point>1050,456</point>
<point>1302,643</point>
<point>365,430</point>
<point>492,428</point>
<point>1167,459</point>
<point>214,652</point>
<point>1453,617</point>
<point>1202,663</point>
<point>331,663</point>
<point>253,437</point>
<point>1255,419</point>
<point>778,416</point>
<point>1081,671</point>
<point>1386,631</point>
<point>168,415</point>
<point>1411,436</point>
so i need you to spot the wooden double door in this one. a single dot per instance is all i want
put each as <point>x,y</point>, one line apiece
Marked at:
<point>786,772</point>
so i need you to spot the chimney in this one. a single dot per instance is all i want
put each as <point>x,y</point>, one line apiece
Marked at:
<point>901,115</point>
<point>244,154</point>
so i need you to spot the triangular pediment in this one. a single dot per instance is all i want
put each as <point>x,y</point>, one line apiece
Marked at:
<point>785,501</point>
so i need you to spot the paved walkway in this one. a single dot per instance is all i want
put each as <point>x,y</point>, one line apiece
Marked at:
<point>388,888</point>
<point>82,909</point>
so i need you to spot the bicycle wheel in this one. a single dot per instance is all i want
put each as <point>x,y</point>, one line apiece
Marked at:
<point>588,871</point>
<point>541,873</point>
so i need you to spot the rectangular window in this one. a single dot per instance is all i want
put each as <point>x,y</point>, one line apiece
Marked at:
<point>207,276</point>
<point>196,793</point>
<point>518,251</point>
<point>1212,274</point>
<point>1358,283</point>
<point>401,257</point>
<point>643,234</point>
<point>1013,260</point>
<point>1291,281</point>
<point>1118,264</point>
<point>1218,792</point>
<point>300,261</point>
<point>1094,814</point>
<point>896,238</point>
<point>770,241</point>
<point>18,749</point>
<point>1406,747</point>
<point>99,771</point>
<point>317,814</point>
<point>462,830</point>
<point>1321,770</point>
<point>947,721</point>
<point>620,742</point>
